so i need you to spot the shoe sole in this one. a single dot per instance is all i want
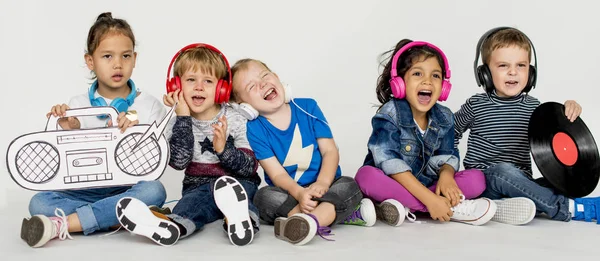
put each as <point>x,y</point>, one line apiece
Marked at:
<point>232,200</point>
<point>32,231</point>
<point>388,212</point>
<point>137,218</point>
<point>295,229</point>
<point>515,211</point>
<point>367,211</point>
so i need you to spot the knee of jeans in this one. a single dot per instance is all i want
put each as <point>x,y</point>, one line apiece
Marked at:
<point>40,205</point>
<point>151,192</point>
<point>505,171</point>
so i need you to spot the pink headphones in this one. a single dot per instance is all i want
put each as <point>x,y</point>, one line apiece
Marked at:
<point>396,82</point>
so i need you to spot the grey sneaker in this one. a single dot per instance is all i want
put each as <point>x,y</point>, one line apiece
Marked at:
<point>514,211</point>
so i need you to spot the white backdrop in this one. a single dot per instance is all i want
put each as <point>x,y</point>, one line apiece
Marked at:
<point>327,50</point>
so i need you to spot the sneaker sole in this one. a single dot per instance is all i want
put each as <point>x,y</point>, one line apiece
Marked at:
<point>32,231</point>
<point>137,218</point>
<point>367,211</point>
<point>295,229</point>
<point>232,200</point>
<point>389,213</point>
<point>515,211</point>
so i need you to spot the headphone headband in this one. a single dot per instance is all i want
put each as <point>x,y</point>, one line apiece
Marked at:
<point>419,43</point>
<point>199,45</point>
<point>489,33</point>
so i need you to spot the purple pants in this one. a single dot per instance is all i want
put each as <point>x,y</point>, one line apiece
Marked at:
<point>377,186</point>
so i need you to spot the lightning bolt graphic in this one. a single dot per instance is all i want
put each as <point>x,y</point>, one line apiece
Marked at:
<point>153,130</point>
<point>297,155</point>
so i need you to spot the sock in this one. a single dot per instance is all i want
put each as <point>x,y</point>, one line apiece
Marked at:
<point>572,207</point>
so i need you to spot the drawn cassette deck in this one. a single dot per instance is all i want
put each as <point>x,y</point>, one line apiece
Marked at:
<point>76,159</point>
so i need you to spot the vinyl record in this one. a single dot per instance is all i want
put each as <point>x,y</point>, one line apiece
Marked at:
<point>565,152</point>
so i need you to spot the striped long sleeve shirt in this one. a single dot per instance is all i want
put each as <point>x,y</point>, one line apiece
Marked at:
<point>498,130</point>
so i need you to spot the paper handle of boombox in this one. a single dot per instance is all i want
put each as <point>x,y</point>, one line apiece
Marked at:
<point>90,111</point>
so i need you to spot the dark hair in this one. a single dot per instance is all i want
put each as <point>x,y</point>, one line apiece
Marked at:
<point>405,61</point>
<point>105,24</point>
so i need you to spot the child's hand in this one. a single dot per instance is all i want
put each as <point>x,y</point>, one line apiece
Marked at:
<point>319,187</point>
<point>447,187</point>
<point>572,110</point>
<point>123,122</point>
<point>60,110</point>
<point>439,208</point>
<point>305,201</point>
<point>220,131</point>
<point>177,97</point>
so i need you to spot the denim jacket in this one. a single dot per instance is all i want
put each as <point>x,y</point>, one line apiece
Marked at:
<point>396,145</point>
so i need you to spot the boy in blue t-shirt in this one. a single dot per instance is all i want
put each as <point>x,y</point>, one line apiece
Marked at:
<point>295,147</point>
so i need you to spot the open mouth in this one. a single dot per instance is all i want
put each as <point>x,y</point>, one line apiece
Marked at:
<point>197,100</point>
<point>270,94</point>
<point>424,97</point>
<point>511,83</point>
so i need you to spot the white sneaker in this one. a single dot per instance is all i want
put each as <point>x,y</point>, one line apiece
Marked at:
<point>363,215</point>
<point>298,229</point>
<point>515,211</point>
<point>137,218</point>
<point>40,229</point>
<point>475,211</point>
<point>232,201</point>
<point>392,212</point>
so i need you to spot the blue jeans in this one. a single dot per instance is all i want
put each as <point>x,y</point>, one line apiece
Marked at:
<point>95,208</point>
<point>197,206</point>
<point>505,180</point>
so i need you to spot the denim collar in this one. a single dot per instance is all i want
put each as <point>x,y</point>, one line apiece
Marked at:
<point>435,114</point>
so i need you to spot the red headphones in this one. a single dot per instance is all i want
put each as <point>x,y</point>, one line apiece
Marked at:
<point>223,89</point>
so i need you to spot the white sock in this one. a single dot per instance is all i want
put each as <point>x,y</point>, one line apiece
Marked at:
<point>572,207</point>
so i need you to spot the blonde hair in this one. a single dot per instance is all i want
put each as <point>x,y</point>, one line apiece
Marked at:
<point>203,59</point>
<point>504,38</point>
<point>242,65</point>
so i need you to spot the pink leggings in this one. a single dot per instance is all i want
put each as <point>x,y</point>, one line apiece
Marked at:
<point>377,186</point>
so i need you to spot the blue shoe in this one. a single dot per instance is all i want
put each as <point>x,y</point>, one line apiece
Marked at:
<point>587,209</point>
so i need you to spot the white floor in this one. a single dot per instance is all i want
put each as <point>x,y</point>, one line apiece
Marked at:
<point>542,239</point>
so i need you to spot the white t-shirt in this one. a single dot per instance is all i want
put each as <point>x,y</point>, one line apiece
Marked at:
<point>148,108</point>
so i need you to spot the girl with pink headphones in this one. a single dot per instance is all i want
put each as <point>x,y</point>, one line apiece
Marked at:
<point>411,163</point>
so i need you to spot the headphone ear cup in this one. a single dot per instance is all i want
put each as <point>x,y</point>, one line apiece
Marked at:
<point>120,104</point>
<point>173,84</point>
<point>531,79</point>
<point>398,87</point>
<point>486,78</point>
<point>446,87</point>
<point>287,96</point>
<point>248,111</point>
<point>98,102</point>
<point>223,91</point>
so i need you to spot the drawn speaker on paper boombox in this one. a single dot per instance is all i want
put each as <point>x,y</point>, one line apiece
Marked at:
<point>85,158</point>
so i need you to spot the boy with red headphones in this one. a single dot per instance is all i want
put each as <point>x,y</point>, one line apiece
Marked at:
<point>208,140</point>
<point>498,121</point>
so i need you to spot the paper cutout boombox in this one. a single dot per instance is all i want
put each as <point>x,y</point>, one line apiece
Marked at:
<point>85,158</point>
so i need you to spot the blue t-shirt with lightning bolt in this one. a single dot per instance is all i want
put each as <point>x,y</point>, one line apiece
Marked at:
<point>296,148</point>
